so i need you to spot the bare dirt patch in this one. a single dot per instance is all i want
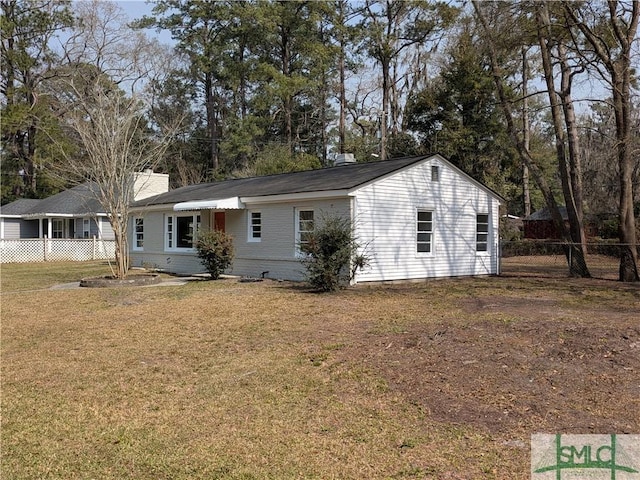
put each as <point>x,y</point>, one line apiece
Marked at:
<point>560,358</point>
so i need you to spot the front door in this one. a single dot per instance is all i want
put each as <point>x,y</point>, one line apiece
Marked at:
<point>218,221</point>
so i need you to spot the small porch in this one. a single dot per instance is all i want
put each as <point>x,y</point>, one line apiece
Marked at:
<point>70,227</point>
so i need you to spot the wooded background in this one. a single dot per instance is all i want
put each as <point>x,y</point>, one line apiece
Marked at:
<point>538,100</point>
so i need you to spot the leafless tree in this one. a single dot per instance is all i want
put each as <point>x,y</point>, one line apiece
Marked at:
<point>102,38</point>
<point>116,145</point>
<point>104,106</point>
<point>520,142</point>
<point>607,38</point>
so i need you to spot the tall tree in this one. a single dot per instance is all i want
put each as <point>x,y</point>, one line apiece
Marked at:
<point>392,27</point>
<point>526,132</point>
<point>457,114</point>
<point>609,34</point>
<point>290,52</point>
<point>186,158</point>
<point>27,61</point>
<point>116,145</point>
<point>567,142</point>
<point>490,40</point>
<point>199,30</point>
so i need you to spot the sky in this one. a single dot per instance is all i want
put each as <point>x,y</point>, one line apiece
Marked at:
<point>135,8</point>
<point>138,8</point>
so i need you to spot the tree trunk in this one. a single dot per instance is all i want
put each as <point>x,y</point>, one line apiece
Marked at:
<point>575,250</point>
<point>211,122</point>
<point>526,133</point>
<point>385,109</point>
<point>343,98</point>
<point>287,101</point>
<point>121,247</point>
<point>505,104</point>
<point>623,32</point>
<point>394,103</point>
<point>627,230</point>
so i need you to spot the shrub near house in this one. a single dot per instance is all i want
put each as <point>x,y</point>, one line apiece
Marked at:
<point>331,256</point>
<point>215,250</point>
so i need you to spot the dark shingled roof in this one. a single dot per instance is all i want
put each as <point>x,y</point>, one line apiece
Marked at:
<point>79,201</point>
<point>344,177</point>
<point>19,207</point>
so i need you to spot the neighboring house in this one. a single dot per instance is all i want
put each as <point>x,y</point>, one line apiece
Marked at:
<point>539,225</point>
<point>12,225</point>
<point>73,213</point>
<point>416,217</point>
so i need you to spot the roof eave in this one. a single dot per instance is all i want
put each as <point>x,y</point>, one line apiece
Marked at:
<point>34,216</point>
<point>300,196</point>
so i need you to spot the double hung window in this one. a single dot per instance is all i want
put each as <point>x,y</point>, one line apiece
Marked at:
<point>138,233</point>
<point>255,226</point>
<point>304,227</point>
<point>424,231</point>
<point>482,232</point>
<point>57,228</point>
<point>86,228</point>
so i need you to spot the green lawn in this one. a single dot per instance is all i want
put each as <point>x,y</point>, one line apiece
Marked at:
<point>229,380</point>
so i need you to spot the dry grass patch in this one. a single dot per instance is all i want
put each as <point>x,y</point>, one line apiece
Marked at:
<point>266,380</point>
<point>30,276</point>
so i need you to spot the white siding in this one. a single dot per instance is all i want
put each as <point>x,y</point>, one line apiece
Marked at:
<point>154,255</point>
<point>384,213</point>
<point>10,228</point>
<point>274,253</point>
<point>385,216</point>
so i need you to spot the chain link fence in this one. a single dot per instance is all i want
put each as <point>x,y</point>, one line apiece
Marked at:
<point>549,259</point>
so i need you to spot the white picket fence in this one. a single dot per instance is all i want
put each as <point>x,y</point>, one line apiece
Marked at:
<point>55,250</point>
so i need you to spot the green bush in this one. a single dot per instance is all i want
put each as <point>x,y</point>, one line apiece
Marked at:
<point>331,257</point>
<point>215,250</point>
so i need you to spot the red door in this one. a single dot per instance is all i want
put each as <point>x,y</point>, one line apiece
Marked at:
<point>218,221</point>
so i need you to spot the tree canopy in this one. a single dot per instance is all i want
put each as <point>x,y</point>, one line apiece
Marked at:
<point>536,99</point>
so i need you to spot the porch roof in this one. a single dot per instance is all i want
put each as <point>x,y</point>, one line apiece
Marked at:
<point>232,203</point>
<point>79,201</point>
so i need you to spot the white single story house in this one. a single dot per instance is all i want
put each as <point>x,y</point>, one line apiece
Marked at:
<point>74,213</point>
<point>416,218</point>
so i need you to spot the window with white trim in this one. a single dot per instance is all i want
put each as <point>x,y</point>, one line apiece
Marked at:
<point>138,233</point>
<point>304,227</point>
<point>424,231</point>
<point>180,231</point>
<point>57,228</point>
<point>482,232</point>
<point>86,228</point>
<point>255,226</point>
